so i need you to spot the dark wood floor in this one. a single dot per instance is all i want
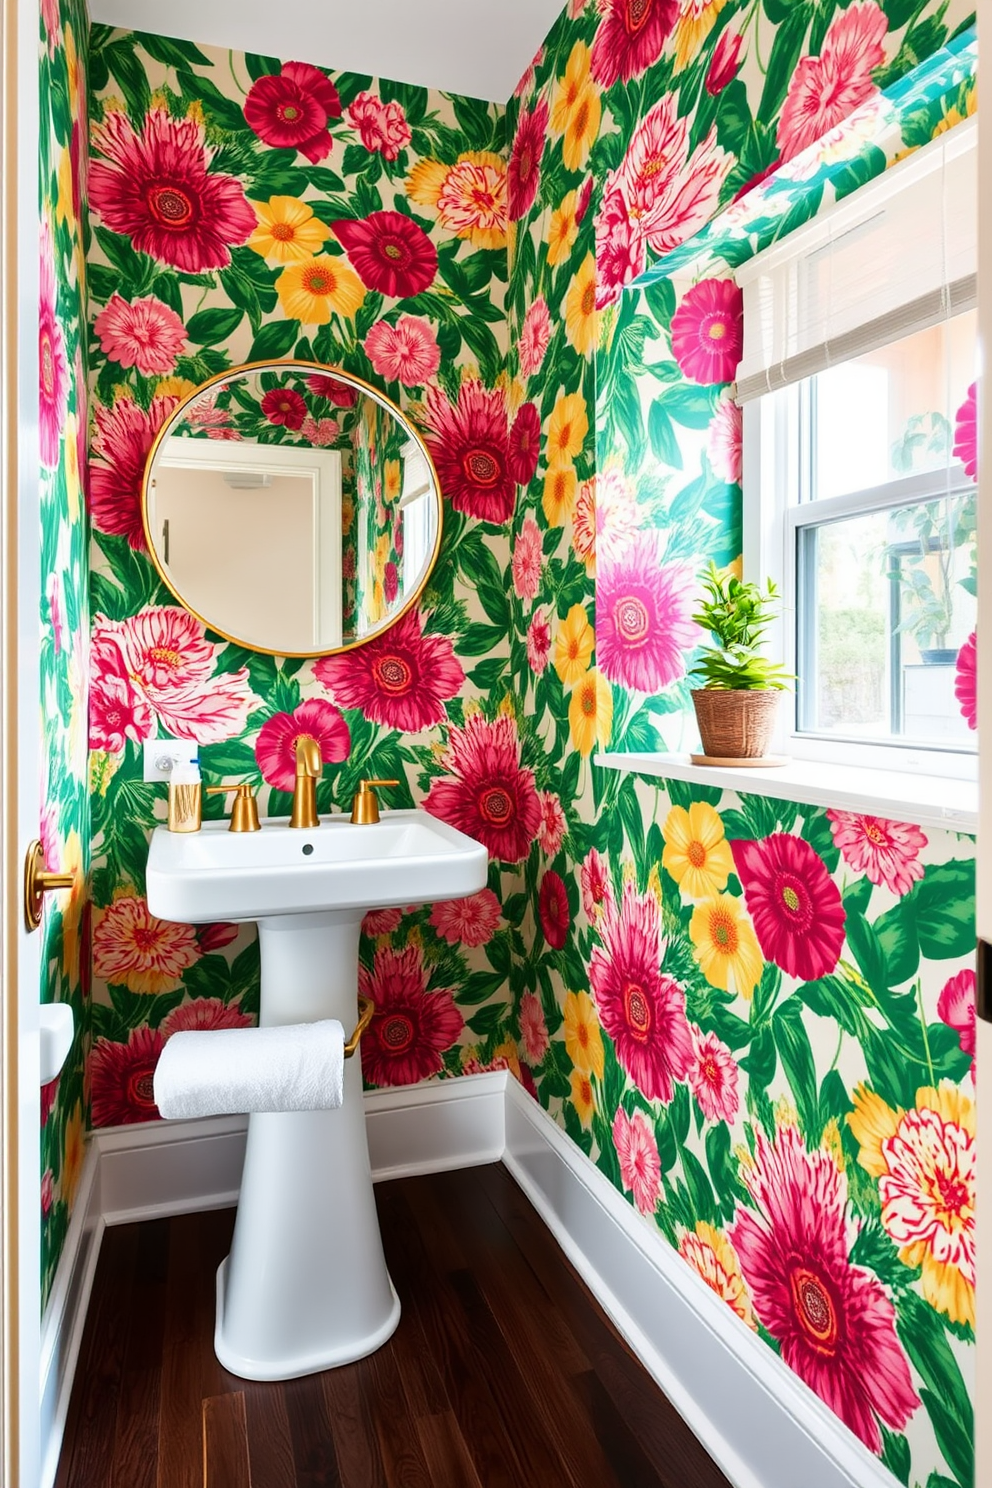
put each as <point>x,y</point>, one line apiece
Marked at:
<point>503,1372</point>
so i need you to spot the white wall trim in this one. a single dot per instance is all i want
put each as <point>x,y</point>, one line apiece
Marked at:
<point>760,1423</point>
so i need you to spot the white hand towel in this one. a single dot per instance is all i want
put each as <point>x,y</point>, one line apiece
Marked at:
<point>226,1071</point>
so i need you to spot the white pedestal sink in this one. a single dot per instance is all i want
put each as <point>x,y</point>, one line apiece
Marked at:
<point>305,1286</point>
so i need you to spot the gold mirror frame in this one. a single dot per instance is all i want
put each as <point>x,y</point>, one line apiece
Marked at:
<point>292,364</point>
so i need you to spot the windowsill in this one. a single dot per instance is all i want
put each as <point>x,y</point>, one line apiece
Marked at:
<point>925,800</point>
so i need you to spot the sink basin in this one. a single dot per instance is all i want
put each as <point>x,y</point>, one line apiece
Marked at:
<point>408,857</point>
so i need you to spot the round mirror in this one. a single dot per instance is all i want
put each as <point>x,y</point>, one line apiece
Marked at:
<point>292,508</point>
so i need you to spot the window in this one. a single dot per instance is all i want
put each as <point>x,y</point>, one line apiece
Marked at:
<point>857,499</point>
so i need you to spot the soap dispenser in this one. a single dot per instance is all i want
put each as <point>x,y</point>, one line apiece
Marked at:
<point>185,797</point>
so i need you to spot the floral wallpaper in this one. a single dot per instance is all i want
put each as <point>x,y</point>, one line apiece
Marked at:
<point>64,803</point>
<point>746,1013</point>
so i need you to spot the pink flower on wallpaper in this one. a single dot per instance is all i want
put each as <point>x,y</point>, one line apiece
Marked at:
<point>642,1010</point>
<point>713,1077</point>
<point>122,438</point>
<point>583,199</point>
<point>341,394</point>
<point>320,432</point>
<point>407,352</point>
<point>471,921</point>
<point>794,904</point>
<point>134,949</point>
<point>203,1013</point>
<point>534,337</point>
<point>724,62</point>
<point>525,444</point>
<point>640,1164</point>
<point>551,832</point>
<point>469,444</point>
<point>594,881</point>
<point>145,334</point>
<point>643,617</point>
<point>488,794</point>
<point>53,364</point>
<point>630,37</point>
<point>275,748</point>
<point>47,1192</point>
<point>390,582</point>
<point>538,642</point>
<point>533,1029</point>
<point>825,90</point>
<point>382,126</point>
<point>833,1320</point>
<point>668,194</point>
<point>621,247</point>
<point>284,407</point>
<point>382,921</point>
<point>400,678</point>
<point>53,26</point>
<point>528,551</point>
<point>966,433</point>
<point>411,1027</point>
<point>205,414</point>
<point>389,252</point>
<point>617,513</point>
<point>553,910</point>
<point>708,331</point>
<point>49,1095</point>
<point>523,173</point>
<point>157,190</point>
<point>216,936</point>
<point>956,1008</point>
<point>122,1078</point>
<point>724,441</point>
<point>966,681</point>
<point>292,110</point>
<point>117,711</point>
<point>887,851</point>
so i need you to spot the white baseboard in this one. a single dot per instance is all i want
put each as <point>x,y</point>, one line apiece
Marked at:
<point>760,1423</point>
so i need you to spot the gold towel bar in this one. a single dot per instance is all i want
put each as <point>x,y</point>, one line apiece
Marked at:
<point>366,1011</point>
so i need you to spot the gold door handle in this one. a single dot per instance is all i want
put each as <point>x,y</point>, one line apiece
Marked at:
<point>38,881</point>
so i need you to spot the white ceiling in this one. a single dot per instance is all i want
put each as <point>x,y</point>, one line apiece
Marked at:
<point>479,48</point>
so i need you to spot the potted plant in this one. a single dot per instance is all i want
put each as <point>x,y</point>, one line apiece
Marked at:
<point>737,701</point>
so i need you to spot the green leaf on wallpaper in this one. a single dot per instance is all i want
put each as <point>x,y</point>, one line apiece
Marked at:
<point>277,338</point>
<point>664,443</point>
<point>475,119</point>
<point>896,1454</point>
<point>480,339</point>
<point>700,1190</point>
<point>895,931</point>
<point>785,53</point>
<point>659,299</point>
<point>792,1042</point>
<point>723,1168</point>
<point>102,282</point>
<point>489,674</point>
<point>856,896</point>
<point>840,1001</point>
<point>487,1019</point>
<point>136,269</point>
<point>863,942</point>
<point>212,327</point>
<point>258,66</point>
<point>218,109</point>
<point>943,906</point>
<point>954,1442</point>
<point>412,100</point>
<point>937,1480</point>
<point>680,1113</point>
<point>632,819</point>
<point>350,84</point>
<point>172,52</point>
<point>129,75</point>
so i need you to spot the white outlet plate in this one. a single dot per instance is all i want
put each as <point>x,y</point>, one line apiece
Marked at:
<point>162,755</point>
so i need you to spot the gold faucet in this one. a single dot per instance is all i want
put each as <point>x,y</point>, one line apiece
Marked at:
<point>308,768</point>
<point>365,806</point>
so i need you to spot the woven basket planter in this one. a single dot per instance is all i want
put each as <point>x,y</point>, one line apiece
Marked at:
<point>735,725</point>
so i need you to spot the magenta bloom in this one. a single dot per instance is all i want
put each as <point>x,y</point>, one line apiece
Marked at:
<point>668,193</point>
<point>553,826</point>
<point>630,37</point>
<point>525,444</point>
<point>887,851</point>
<point>794,904</point>
<point>122,1077</point>
<point>204,1012</point>
<point>640,1164</point>
<point>966,433</point>
<point>488,795</point>
<point>724,62</point>
<point>621,250</point>
<point>341,394</point>
<point>382,126</point>
<point>552,907</point>
<point>275,748</point>
<point>523,173</point>
<point>401,678</point>
<point>643,617</point>
<point>966,681</point>
<point>214,937</point>
<point>538,642</point>
<point>469,444</point>
<point>285,407</point>
<point>155,188</point>
<point>321,432</point>
<point>533,1028</point>
<point>123,437</point>
<point>525,564</point>
<point>642,1010</point>
<point>292,109</point>
<point>53,365</point>
<point>389,252</point>
<point>469,922</point>
<point>117,711</point>
<point>708,331</point>
<point>594,879</point>
<point>411,1027</point>
<point>825,90</point>
<point>407,352</point>
<point>534,337</point>
<point>833,1320</point>
<point>713,1077</point>
<point>956,1008</point>
<point>146,334</point>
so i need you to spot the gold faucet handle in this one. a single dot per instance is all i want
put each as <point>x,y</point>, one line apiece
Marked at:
<point>365,806</point>
<point>308,757</point>
<point>244,808</point>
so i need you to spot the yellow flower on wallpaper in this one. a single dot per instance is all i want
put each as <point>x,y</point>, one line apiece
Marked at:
<point>174,387</point>
<point>574,645</point>
<point>583,1039</point>
<point>697,853</point>
<point>582,1096</point>
<point>312,292</point>
<point>711,1254</point>
<point>567,429</point>
<point>287,231</point>
<point>65,210</point>
<point>576,109</point>
<point>581,320</point>
<point>73,484</point>
<point>726,946</point>
<point>563,230</point>
<point>590,712</point>
<point>392,479</point>
<point>558,501</point>
<point>73,1155</point>
<point>469,197</point>
<point>696,21</point>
